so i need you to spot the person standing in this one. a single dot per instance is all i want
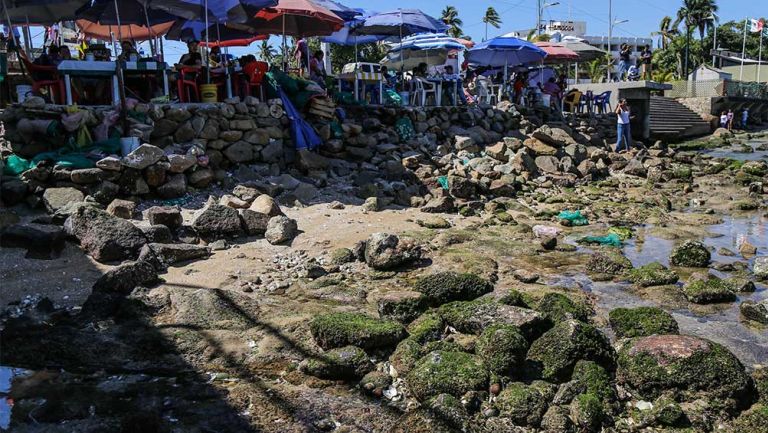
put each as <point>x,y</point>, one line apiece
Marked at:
<point>724,120</point>
<point>302,55</point>
<point>624,54</point>
<point>730,120</point>
<point>623,136</point>
<point>645,63</point>
<point>744,118</point>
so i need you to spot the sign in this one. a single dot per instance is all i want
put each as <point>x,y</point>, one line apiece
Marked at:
<point>574,28</point>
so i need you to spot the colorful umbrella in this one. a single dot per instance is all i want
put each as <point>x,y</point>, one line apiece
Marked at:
<point>345,35</point>
<point>343,12</point>
<point>222,11</point>
<point>297,18</point>
<point>585,51</point>
<point>505,51</point>
<point>557,53</point>
<point>133,31</point>
<point>400,22</point>
<point>42,12</point>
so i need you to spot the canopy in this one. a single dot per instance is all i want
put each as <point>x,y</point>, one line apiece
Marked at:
<point>232,11</point>
<point>297,18</point>
<point>557,53</point>
<point>128,31</point>
<point>585,51</point>
<point>244,42</point>
<point>343,12</point>
<point>428,41</point>
<point>345,36</point>
<point>42,12</point>
<point>194,30</point>
<point>505,51</point>
<point>111,12</point>
<point>400,22</point>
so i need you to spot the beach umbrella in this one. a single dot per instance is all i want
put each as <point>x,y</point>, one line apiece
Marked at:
<point>111,12</point>
<point>194,30</point>
<point>41,12</point>
<point>345,36</point>
<point>428,41</point>
<point>134,32</point>
<point>222,11</point>
<point>343,12</point>
<point>400,22</point>
<point>505,51</point>
<point>585,51</point>
<point>428,48</point>
<point>557,53</point>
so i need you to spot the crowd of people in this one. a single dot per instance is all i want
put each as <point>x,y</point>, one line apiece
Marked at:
<point>641,70</point>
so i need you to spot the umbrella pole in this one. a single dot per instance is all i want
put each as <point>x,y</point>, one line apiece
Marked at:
<point>207,41</point>
<point>10,26</point>
<point>151,45</point>
<point>285,49</point>
<point>224,61</point>
<point>28,37</point>
<point>120,78</point>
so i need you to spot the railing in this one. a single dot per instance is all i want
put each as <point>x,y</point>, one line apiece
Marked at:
<point>712,88</point>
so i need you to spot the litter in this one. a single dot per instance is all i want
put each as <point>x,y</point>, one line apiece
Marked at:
<point>611,240</point>
<point>545,231</point>
<point>572,218</point>
<point>443,181</point>
<point>623,233</point>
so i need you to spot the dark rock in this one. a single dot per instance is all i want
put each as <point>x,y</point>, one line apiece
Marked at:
<point>385,252</point>
<point>453,373</point>
<point>56,198</point>
<point>169,216</point>
<point>341,329</point>
<point>41,240</point>
<point>444,287</point>
<point>12,191</point>
<point>176,186</point>
<point>167,254</point>
<point>690,254</point>
<point>474,317</point>
<point>124,278</point>
<point>255,223</point>
<point>755,311</point>
<point>347,362</point>
<point>641,322</point>
<point>439,205</point>
<point>121,208</point>
<point>158,233</point>
<point>403,306</point>
<point>105,237</point>
<point>217,221</point>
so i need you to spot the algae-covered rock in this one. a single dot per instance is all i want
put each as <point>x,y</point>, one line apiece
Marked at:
<point>690,254</point>
<point>754,420</point>
<point>594,379</point>
<point>445,287</point>
<point>403,306</point>
<point>502,348</point>
<point>375,382</point>
<point>558,350</point>
<point>706,289</point>
<point>427,327</point>
<point>641,322</point>
<point>557,419</point>
<point>609,261</point>
<point>525,404</point>
<point>652,274</point>
<point>405,356</point>
<point>472,317</point>
<point>760,379</point>
<point>341,256</point>
<point>449,409</point>
<point>421,421</point>
<point>587,412</point>
<point>515,298</point>
<point>453,373</point>
<point>343,329</point>
<point>558,307</point>
<point>343,363</point>
<point>681,364</point>
<point>755,311</point>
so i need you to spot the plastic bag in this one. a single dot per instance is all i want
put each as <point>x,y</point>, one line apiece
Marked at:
<point>15,165</point>
<point>573,218</point>
<point>623,233</point>
<point>545,231</point>
<point>610,240</point>
<point>392,98</point>
<point>404,128</point>
<point>443,181</point>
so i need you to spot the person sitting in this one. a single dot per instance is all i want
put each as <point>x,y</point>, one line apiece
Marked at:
<point>518,88</point>
<point>390,81</point>
<point>48,56</point>
<point>215,58</point>
<point>64,53</point>
<point>550,87</point>
<point>128,52</point>
<point>317,69</point>
<point>192,57</point>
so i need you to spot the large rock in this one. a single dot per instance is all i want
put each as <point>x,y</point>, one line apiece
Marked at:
<point>460,187</point>
<point>311,161</point>
<point>239,152</point>
<point>264,204</point>
<point>255,223</point>
<point>755,311</point>
<point>635,168</point>
<point>553,136</point>
<point>104,237</point>
<point>525,404</point>
<point>384,251</point>
<point>165,255</point>
<point>688,366</point>
<point>217,222</point>
<point>641,322</point>
<point>342,329</point>
<point>124,278</point>
<point>706,289</point>
<point>40,240</point>
<point>439,205</point>
<point>609,261</point>
<point>559,349</point>
<point>176,186</point>
<point>121,208</point>
<point>180,163</point>
<point>652,274</point>
<point>169,216</point>
<point>343,363</point>
<point>12,191</point>
<point>142,157</point>
<point>690,254</point>
<point>454,373</point>
<point>474,317</point>
<point>547,164</point>
<point>760,268</point>
<point>281,229</point>
<point>443,287</point>
<point>56,198</point>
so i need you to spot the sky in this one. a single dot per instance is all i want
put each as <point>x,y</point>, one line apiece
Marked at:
<point>643,15</point>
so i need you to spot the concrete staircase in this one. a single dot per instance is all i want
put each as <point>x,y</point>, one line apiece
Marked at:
<point>671,120</point>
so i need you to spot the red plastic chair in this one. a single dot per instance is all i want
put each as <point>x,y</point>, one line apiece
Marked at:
<point>255,72</point>
<point>55,84</point>
<point>186,85</point>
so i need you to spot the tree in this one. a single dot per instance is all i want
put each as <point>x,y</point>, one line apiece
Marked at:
<point>450,17</point>
<point>267,51</point>
<point>666,31</point>
<point>597,68</point>
<point>491,17</point>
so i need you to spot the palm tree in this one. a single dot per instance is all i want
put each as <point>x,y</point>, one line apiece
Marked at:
<point>666,31</point>
<point>702,14</point>
<point>597,68</point>
<point>491,17</point>
<point>266,51</point>
<point>450,17</point>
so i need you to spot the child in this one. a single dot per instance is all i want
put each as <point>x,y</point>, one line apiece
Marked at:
<point>730,120</point>
<point>744,118</point>
<point>723,120</point>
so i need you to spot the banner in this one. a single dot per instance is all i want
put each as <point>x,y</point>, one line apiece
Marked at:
<point>755,25</point>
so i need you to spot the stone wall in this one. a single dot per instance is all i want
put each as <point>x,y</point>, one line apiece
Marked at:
<point>701,106</point>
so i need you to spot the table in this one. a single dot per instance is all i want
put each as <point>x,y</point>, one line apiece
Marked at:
<point>97,68</point>
<point>370,77</point>
<point>439,90</point>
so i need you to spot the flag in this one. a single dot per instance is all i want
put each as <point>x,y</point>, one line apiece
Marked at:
<point>755,26</point>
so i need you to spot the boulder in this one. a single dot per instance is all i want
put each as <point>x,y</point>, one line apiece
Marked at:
<point>169,216</point>
<point>635,168</point>
<point>502,349</point>
<point>157,233</point>
<point>652,274</point>
<point>755,311</point>
<point>443,287</point>
<point>334,330</point>
<point>460,187</point>
<point>557,307</point>
<point>343,363</point>
<point>547,164</point>
<point>104,237</point>
<point>175,186</point>
<point>126,277</point>
<point>474,317</point>
<point>384,251</point>
<point>255,223</point>
<point>281,229</point>
<point>557,137</point>
<point>683,365</point>
<point>121,208</point>
<point>310,161</point>
<point>181,163</point>
<point>86,175</point>
<point>264,204</point>
<point>40,240</point>
<point>239,152</point>
<point>142,157</point>
<point>12,191</point>
<point>453,373</point>
<point>439,205</point>
<point>641,322</point>
<point>760,268</point>
<point>525,404</point>
<point>201,177</point>
<point>403,306</point>
<point>164,254</point>
<point>609,261</point>
<point>217,222</point>
<point>691,254</point>
<point>706,289</point>
<point>56,198</point>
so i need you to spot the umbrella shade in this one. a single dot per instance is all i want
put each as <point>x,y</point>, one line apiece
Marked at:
<point>235,42</point>
<point>343,12</point>
<point>585,51</point>
<point>345,36</point>
<point>297,18</point>
<point>42,12</point>
<point>128,11</point>
<point>194,30</point>
<point>503,51</point>
<point>400,22</point>
<point>439,41</point>
<point>409,59</point>
<point>128,31</point>
<point>557,53</point>
<point>218,10</point>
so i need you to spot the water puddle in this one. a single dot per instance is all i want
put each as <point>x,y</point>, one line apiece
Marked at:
<point>735,152</point>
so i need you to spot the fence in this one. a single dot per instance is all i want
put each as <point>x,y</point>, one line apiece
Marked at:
<point>711,88</point>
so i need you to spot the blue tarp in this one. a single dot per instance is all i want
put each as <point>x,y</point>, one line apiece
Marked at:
<point>302,133</point>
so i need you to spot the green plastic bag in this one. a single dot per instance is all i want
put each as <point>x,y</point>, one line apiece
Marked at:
<point>574,218</point>
<point>610,240</point>
<point>15,165</point>
<point>336,130</point>
<point>623,233</point>
<point>405,129</point>
<point>443,181</point>
<point>392,98</point>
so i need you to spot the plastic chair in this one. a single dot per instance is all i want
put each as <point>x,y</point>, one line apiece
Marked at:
<point>586,102</point>
<point>602,101</point>
<point>54,84</point>
<point>421,90</point>
<point>187,84</point>
<point>571,101</point>
<point>484,91</point>
<point>255,75</point>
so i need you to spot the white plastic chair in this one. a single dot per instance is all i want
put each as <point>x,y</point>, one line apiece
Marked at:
<point>421,90</point>
<point>485,92</point>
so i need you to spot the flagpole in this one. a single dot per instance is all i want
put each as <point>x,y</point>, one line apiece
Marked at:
<point>759,56</point>
<point>743,49</point>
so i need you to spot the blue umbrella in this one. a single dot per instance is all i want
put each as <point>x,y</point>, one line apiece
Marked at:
<point>302,133</point>
<point>111,12</point>
<point>345,36</point>
<point>505,51</point>
<point>232,11</point>
<point>344,12</point>
<point>43,12</point>
<point>194,30</point>
<point>428,41</point>
<point>431,49</point>
<point>400,22</point>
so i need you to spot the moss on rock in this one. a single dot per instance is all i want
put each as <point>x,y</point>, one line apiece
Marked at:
<point>343,363</point>
<point>559,349</point>
<point>516,298</point>
<point>427,327</point>
<point>445,287</point>
<point>708,289</point>
<point>558,307</point>
<point>641,322</point>
<point>595,379</point>
<point>502,348</point>
<point>608,261</point>
<point>405,355</point>
<point>343,329</point>
<point>449,409</point>
<point>754,420</point>
<point>525,404</point>
<point>760,378</point>
<point>690,254</point>
<point>341,256</point>
<point>403,306</point>
<point>472,317</point>
<point>453,373</point>
<point>652,274</point>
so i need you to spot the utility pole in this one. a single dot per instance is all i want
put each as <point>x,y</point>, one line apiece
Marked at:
<point>538,17</point>
<point>610,36</point>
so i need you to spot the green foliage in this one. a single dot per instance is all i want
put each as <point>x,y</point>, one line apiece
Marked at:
<point>491,17</point>
<point>641,322</point>
<point>450,16</point>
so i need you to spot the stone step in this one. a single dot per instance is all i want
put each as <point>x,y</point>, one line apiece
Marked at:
<point>668,117</point>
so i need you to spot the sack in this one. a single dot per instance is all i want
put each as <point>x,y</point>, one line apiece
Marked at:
<point>405,129</point>
<point>392,98</point>
<point>572,218</point>
<point>610,240</point>
<point>15,165</point>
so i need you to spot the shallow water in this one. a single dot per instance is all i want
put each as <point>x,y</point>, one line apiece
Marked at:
<point>732,152</point>
<point>719,323</point>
